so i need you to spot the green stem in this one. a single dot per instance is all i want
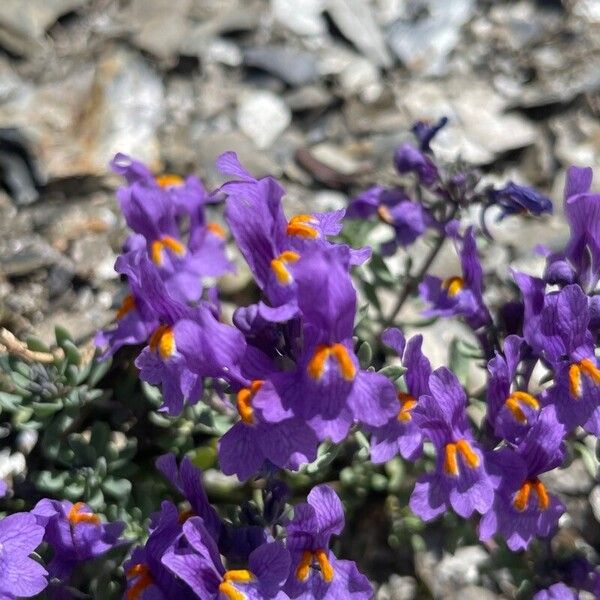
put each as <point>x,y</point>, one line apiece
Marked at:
<point>413,282</point>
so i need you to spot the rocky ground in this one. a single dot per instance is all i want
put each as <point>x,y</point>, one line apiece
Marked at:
<point>316,92</point>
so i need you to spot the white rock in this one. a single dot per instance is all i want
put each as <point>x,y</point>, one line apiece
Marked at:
<point>424,46</point>
<point>303,18</point>
<point>361,77</point>
<point>356,21</point>
<point>588,9</point>
<point>263,116</point>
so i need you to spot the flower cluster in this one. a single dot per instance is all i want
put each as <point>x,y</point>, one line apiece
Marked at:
<point>72,533</point>
<point>289,359</point>
<point>192,553</point>
<point>290,364</point>
<point>292,381</point>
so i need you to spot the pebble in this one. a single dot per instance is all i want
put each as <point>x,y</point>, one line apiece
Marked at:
<point>294,66</point>
<point>424,45</point>
<point>303,18</point>
<point>398,588</point>
<point>263,117</point>
<point>356,21</point>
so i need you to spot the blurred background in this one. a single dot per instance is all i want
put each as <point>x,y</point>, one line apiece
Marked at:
<point>315,92</point>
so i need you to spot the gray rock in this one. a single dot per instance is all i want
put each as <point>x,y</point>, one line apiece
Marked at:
<point>20,257</point>
<point>475,592</point>
<point>308,98</point>
<point>127,81</point>
<point>356,21</point>
<point>573,480</point>
<point>93,258</point>
<point>336,158</point>
<point>222,19</point>
<point>577,139</point>
<point>595,502</point>
<point>263,117</point>
<point>381,116</point>
<point>424,46</point>
<point>23,24</point>
<point>210,146</point>
<point>220,50</point>
<point>398,588</point>
<point>82,322</point>
<point>588,9</point>
<point>362,77</point>
<point>78,119</point>
<point>160,25</point>
<point>454,572</point>
<point>292,65</point>
<point>303,18</point>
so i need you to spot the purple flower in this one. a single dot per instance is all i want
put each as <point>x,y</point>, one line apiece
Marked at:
<point>509,413</point>
<point>523,508</point>
<point>136,319</point>
<point>558,591</point>
<point>402,435</point>
<point>147,577</point>
<point>328,388</point>
<point>20,576</point>
<point>459,295</point>
<point>269,242</point>
<point>409,159</point>
<point>187,479</point>
<point>188,344</point>
<point>195,560</point>
<point>152,211</point>
<point>330,391</point>
<point>75,534</point>
<point>187,195</point>
<point>517,199</point>
<point>425,132</point>
<point>580,261</point>
<point>460,479</point>
<point>408,219</point>
<point>315,571</point>
<point>557,328</point>
<point>251,441</point>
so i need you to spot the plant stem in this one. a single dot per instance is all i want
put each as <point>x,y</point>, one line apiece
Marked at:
<point>414,281</point>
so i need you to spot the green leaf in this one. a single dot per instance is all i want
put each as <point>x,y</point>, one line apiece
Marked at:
<point>205,457</point>
<point>381,271</point>
<point>99,438</point>
<point>23,415</point>
<point>62,335</point>
<point>458,362</point>
<point>71,374</point>
<point>393,372</point>
<point>49,482</point>
<point>98,371</point>
<point>83,373</point>
<point>74,491</point>
<point>365,354</point>
<point>37,345</point>
<point>44,410</point>
<point>9,402</point>
<point>152,393</point>
<point>117,488</point>
<point>371,294</point>
<point>84,453</point>
<point>71,352</point>
<point>588,456</point>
